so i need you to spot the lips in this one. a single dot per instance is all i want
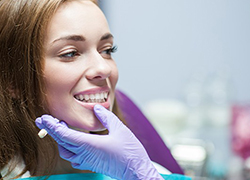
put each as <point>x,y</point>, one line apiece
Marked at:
<point>89,98</point>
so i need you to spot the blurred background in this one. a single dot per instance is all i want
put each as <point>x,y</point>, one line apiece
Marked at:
<point>186,64</point>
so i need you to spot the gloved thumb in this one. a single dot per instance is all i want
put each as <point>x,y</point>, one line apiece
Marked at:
<point>107,118</point>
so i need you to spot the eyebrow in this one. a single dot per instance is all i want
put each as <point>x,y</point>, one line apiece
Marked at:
<point>71,37</point>
<point>106,36</point>
<point>81,38</point>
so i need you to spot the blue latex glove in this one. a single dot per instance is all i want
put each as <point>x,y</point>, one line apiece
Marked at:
<point>119,154</point>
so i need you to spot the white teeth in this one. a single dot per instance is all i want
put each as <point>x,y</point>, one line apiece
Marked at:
<point>97,96</point>
<point>81,97</point>
<point>86,97</point>
<point>102,95</point>
<point>93,98</point>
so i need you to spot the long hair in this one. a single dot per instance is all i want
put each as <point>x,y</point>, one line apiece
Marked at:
<point>22,30</point>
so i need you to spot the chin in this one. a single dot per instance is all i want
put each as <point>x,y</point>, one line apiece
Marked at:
<point>96,126</point>
<point>89,129</point>
<point>98,130</point>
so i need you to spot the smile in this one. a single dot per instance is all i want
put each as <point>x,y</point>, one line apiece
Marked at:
<point>93,98</point>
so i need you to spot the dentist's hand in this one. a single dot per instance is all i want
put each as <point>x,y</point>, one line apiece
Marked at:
<point>119,154</point>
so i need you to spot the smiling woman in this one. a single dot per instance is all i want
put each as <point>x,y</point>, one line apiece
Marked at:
<point>78,63</point>
<point>50,67</point>
<point>56,67</point>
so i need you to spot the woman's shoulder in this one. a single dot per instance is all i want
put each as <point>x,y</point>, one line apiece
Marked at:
<point>160,168</point>
<point>15,166</point>
<point>167,175</point>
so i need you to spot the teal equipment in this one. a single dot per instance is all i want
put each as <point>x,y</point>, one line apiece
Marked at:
<point>95,176</point>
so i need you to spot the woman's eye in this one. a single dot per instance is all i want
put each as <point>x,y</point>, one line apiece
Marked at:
<point>108,52</point>
<point>70,54</point>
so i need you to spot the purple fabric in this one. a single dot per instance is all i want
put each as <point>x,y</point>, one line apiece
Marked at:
<point>145,132</point>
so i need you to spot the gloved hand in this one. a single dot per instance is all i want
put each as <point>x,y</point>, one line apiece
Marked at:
<point>119,154</point>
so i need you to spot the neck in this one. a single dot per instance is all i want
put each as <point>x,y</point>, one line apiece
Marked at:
<point>64,167</point>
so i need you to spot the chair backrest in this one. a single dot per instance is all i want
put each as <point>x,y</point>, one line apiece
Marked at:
<point>145,132</point>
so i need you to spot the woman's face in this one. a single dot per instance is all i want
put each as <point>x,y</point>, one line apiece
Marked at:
<point>79,71</point>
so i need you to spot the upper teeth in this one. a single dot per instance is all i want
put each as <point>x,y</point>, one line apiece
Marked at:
<point>98,97</point>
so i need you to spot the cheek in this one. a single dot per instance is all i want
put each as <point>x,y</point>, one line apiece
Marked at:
<point>113,81</point>
<point>114,76</point>
<point>58,85</point>
<point>59,77</point>
<point>55,86</point>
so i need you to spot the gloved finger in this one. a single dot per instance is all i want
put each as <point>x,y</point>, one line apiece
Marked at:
<point>39,124</point>
<point>59,142</point>
<point>71,156</point>
<point>65,153</point>
<point>50,128</point>
<point>58,130</point>
<point>107,118</point>
<point>75,165</point>
<point>61,133</point>
<point>77,158</point>
<point>72,148</point>
<point>39,121</point>
<point>81,166</point>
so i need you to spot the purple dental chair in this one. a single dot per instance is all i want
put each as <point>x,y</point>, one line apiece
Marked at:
<point>145,132</point>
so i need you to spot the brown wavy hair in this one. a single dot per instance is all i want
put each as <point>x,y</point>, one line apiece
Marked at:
<point>22,30</point>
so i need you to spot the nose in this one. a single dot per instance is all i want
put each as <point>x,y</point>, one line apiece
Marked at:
<point>99,68</point>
